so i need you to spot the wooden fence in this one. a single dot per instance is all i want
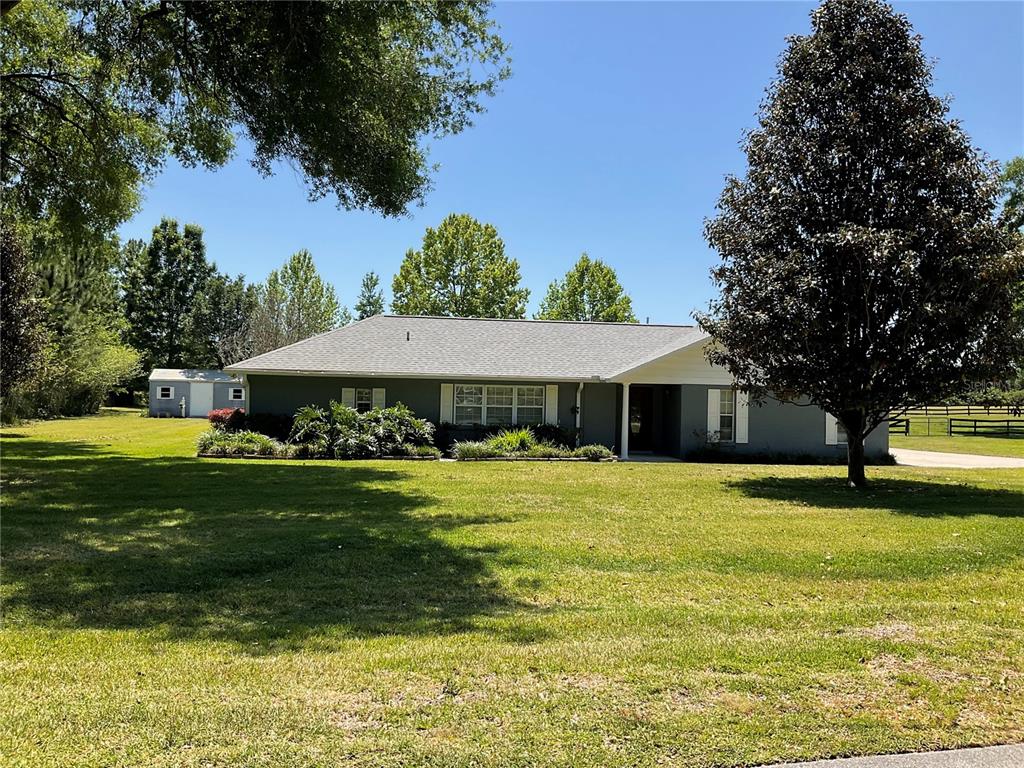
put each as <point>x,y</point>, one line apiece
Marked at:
<point>987,427</point>
<point>965,410</point>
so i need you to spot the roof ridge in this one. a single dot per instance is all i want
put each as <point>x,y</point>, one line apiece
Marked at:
<point>533,320</point>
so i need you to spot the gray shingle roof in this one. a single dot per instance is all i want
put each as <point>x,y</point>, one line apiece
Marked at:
<point>190,374</point>
<point>477,348</point>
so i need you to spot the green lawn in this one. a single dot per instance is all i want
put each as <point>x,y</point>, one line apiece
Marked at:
<point>930,434</point>
<point>162,610</point>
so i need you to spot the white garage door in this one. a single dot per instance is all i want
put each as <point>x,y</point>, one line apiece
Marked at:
<point>202,400</point>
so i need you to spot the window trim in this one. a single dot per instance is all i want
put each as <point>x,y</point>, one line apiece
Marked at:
<point>160,388</point>
<point>231,394</point>
<point>483,406</point>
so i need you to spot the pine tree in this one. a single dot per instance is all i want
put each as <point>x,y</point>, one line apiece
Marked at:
<point>371,297</point>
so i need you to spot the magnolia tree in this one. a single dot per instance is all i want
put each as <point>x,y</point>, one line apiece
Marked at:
<point>862,265</point>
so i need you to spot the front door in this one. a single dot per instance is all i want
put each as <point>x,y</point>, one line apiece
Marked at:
<point>641,418</point>
<point>202,400</point>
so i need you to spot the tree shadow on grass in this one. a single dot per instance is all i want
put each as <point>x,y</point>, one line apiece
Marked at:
<point>271,554</point>
<point>905,497</point>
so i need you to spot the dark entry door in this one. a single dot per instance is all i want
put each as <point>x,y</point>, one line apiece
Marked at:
<point>641,418</point>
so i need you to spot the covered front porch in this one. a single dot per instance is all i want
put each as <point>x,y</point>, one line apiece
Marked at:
<point>650,419</point>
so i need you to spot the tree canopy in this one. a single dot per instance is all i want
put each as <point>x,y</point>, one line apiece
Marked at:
<point>294,303</point>
<point>460,271</point>
<point>371,298</point>
<point>97,94</point>
<point>862,265</point>
<point>590,291</point>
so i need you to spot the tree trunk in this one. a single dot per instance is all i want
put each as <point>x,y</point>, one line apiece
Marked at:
<point>855,461</point>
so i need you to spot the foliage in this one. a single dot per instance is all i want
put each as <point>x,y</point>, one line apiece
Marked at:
<point>277,426</point>
<point>420,451</point>
<point>590,291</point>
<point>223,314</point>
<point>340,432</point>
<point>861,263</point>
<point>22,335</point>
<point>552,433</point>
<point>511,441</point>
<point>227,419</point>
<point>293,304</point>
<point>371,298</point>
<point>220,442</point>
<point>546,450</point>
<point>77,370</point>
<point>96,95</point>
<point>164,285</point>
<point>593,452</point>
<point>1012,178</point>
<point>460,271</point>
<point>474,449</point>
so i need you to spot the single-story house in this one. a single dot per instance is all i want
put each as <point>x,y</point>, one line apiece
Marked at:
<point>634,388</point>
<point>199,390</point>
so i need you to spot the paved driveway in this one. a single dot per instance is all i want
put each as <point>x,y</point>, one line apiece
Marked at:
<point>912,458</point>
<point>984,757</point>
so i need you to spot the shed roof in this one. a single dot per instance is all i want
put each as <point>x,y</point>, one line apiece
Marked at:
<point>396,345</point>
<point>190,374</point>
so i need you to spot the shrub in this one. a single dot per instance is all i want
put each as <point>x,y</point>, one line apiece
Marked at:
<point>219,442</point>
<point>270,424</point>
<point>474,449</point>
<point>593,452</point>
<point>393,427</point>
<point>549,433</point>
<point>423,451</point>
<point>546,450</point>
<point>509,442</point>
<point>227,419</point>
<point>340,432</point>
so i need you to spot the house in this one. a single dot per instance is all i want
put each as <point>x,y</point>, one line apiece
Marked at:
<point>200,390</point>
<point>635,388</point>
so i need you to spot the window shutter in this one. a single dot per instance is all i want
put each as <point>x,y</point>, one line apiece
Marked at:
<point>447,399</point>
<point>379,401</point>
<point>551,404</point>
<point>714,412</point>
<point>348,396</point>
<point>742,429</point>
<point>831,433</point>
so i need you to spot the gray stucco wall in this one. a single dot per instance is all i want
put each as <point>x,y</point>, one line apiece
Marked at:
<point>775,427</point>
<point>172,407</point>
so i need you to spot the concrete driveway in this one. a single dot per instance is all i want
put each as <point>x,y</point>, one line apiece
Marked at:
<point>983,757</point>
<point>912,458</point>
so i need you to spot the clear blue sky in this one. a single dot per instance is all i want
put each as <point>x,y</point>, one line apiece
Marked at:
<point>612,136</point>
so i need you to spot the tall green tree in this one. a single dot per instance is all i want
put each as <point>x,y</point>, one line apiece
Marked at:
<point>221,319</point>
<point>164,292</point>
<point>22,335</point>
<point>97,94</point>
<point>1012,177</point>
<point>862,265</point>
<point>590,291</point>
<point>294,303</point>
<point>460,271</point>
<point>371,297</point>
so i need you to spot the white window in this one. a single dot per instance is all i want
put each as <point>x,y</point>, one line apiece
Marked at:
<point>499,402</point>
<point>469,404</point>
<point>529,405</point>
<point>165,393</point>
<point>498,405</point>
<point>364,399</point>
<point>840,433</point>
<point>726,415</point>
<point>236,393</point>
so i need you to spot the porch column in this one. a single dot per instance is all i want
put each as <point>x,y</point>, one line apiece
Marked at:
<point>624,437</point>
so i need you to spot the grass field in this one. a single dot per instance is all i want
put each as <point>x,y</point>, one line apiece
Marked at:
<point>161,610</point>
<point>929,433</point>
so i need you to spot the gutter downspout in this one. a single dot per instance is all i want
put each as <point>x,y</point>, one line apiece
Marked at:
<point>579,412</point>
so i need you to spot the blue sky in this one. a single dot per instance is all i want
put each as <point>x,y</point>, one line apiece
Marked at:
<point>612,136</point>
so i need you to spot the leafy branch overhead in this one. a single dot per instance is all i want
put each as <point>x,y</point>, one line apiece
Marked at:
<point>96,95</point>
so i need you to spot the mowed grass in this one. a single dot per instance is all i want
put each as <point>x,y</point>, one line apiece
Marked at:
<point>929,433</point>
<point>161,610</point>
